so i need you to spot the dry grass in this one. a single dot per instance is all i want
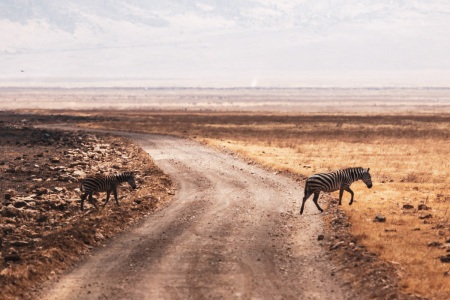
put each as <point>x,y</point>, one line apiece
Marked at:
<point>409,163</point>
<point>408,156</point>
<point>404,238</point>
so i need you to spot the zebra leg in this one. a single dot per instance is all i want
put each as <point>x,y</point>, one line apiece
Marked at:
<point>108,193</point>
<point>351,193</point>
<point>115,197</point>
<point>83,197</point>
<point>91,199</point>
<point>307,195</point>
<point>315,199</point>
<point>341,192</point>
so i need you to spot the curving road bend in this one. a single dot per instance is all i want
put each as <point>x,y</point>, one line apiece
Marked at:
<point>232,232</point>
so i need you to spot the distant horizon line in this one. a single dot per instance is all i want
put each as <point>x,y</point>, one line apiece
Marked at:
<point>226,88</point>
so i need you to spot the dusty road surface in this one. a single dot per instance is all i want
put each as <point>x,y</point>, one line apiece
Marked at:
<point>232,232</point>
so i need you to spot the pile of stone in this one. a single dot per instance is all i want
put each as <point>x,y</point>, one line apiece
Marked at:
<point>46,196</point>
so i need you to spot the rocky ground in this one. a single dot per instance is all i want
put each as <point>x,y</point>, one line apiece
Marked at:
<point>360,269</point>
<point>42,230</point>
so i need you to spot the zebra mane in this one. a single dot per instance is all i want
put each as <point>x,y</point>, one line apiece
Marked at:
<point>357,172</point>
<point>357,169</point>
<point>126,174</point>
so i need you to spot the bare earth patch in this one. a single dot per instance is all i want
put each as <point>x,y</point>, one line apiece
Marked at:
<point>42,230</point>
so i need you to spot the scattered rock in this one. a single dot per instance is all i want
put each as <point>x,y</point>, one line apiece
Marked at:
<point>10,212</point>
<point>19,243</point>
<point>428,216</point>
<point>19,204</point>
<point>11,258</point>
<point>99,237</point>
<point>380,219</point>
<point>10,170</point>
<point>408,206</point>
<point>42,218</point>
<point>423,207</point>
<point>438,226</point>
<point>434,244</point>
<point>337,245</point>
<point>66,177</point>
<point>59,205</point>
<point>445,259</point>
<point>77,163</point>
<point>55,160</point>
<point>79,174</point>
<point>320,237</point>
<point>59,189</point>
<point>9,194</point>
<point>41,191</point>
<point>7,228</point>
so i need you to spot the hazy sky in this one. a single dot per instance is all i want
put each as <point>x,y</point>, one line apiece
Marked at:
<point>225,43</point>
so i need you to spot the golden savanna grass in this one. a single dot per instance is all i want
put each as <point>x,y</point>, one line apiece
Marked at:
<point>408,156</point>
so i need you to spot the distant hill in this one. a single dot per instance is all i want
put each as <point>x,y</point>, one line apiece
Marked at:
<point>216,42</point>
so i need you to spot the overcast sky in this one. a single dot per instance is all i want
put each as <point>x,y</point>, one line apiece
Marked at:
<point>225,43</point>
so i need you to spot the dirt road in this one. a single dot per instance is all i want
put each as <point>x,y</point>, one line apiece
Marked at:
<point>232,232</point>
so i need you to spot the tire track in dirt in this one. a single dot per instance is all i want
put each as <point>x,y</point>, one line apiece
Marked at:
<point>231,232</point>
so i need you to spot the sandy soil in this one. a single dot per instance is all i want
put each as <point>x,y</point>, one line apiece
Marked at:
<point>232,232</point>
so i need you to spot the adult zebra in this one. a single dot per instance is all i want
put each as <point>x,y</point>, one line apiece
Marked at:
<point>105,183</point>
<point>337,180</point>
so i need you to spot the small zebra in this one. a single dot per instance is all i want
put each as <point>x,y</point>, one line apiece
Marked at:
<point>337,180</point>
<point>104,183</point>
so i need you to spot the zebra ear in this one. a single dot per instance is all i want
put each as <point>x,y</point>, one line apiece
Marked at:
<point>368,169</point>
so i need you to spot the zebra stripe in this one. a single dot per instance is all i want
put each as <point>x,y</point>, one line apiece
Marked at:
<point>104,183</point>
<point>337,180</point>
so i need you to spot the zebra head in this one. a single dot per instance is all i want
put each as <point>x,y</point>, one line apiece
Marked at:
<point>366,178</point>
<point>128,177</point>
